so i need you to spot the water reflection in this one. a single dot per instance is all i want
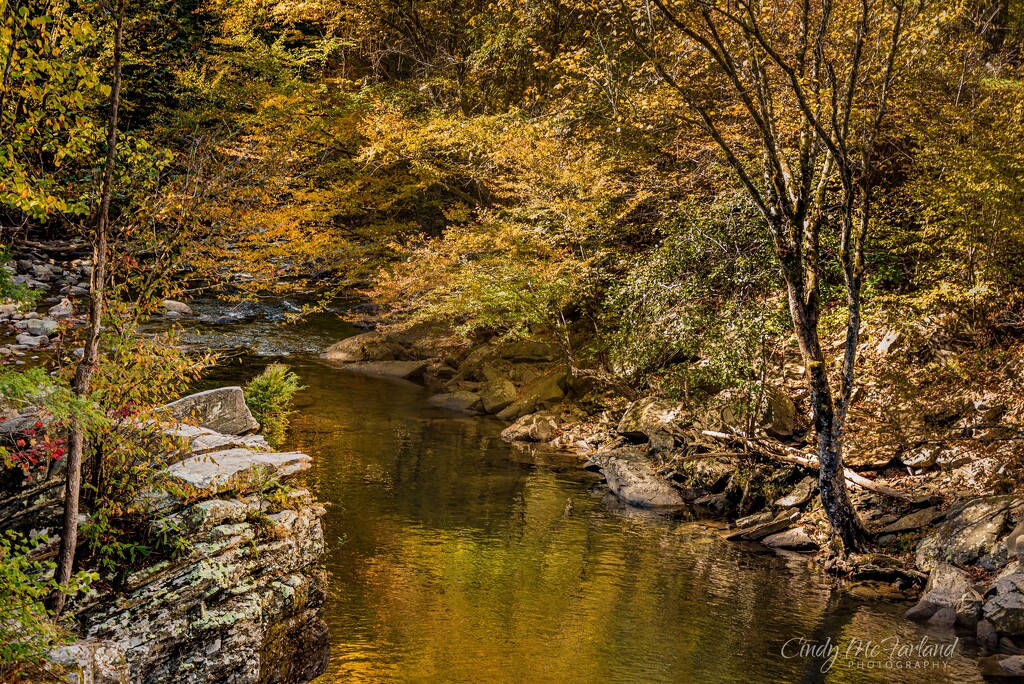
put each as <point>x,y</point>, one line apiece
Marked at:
<point>453,559</point>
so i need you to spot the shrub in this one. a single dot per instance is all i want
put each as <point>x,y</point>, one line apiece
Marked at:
<point>27,628</point>
<point>269,396</point>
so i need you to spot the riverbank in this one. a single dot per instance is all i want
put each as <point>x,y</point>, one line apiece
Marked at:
<point>943,527</point>
<point>218,577</point>
<point>230,589</point>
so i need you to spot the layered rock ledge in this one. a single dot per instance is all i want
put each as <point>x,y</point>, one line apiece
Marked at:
<point>238,600</point>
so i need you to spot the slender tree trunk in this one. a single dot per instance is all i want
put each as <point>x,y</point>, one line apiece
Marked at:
<point>835,498</point>
<point>84,370</point>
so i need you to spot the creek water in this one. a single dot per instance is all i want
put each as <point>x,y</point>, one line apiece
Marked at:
<point>454,557</point>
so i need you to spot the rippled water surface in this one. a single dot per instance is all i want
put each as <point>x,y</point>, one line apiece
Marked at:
<point>455,558</point>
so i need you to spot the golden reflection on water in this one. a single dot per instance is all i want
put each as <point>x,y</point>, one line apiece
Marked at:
<point>453,560</point>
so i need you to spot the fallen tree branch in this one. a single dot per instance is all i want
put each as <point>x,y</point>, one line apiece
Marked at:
<point>787,454</point>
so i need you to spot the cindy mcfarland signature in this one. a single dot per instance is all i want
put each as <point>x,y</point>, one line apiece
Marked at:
<point>887,653</point>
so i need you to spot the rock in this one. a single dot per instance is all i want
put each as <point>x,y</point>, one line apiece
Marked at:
<point>653,420</point>
<point>236,469</point>
<point>464,402</point>
<point>529,350</point>
<point>968,533</point>
<point>539,393</point>
<point>192,440</point>
<point>800,495</point>
<point>1004,605</point>
<point>38,326</point>
<point>222,410</point>
<point>33,341</point>
<point>711,474</point>
<point>8,310</point>
<point>471,367</point>
<point>491,374</point>
<point>780,523</point>
<point>1003,666</point>
<point>943,617</point>
<point>890,338</point>
<point>406,370</point>
<point>636,482</point>
<point>779,419</point>
<point>755,519</point>
<point>498,393</point>
<point>795,539</point>
<point>947,585</point>
<point>995,560</point>
<point>17,426</point>
<point>61,310</point>
<point>988,638</point>
<point>921,457</point>
<point>968,609</point>
<point>1008,645</point>
<point>371,346</point>
<point>1015,541</point>
<point>717,504</point>
<point>238,602</point>
<point>913,521</point>
<point>89,662</point>
<point>42,272</point>
<point>922,612</point>
<point>240,605</point>
<point>176,307</point>
<point>535,427</point>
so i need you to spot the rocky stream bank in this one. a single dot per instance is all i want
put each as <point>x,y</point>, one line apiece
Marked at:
<point>237,600</point>
<point>940,532</point>
<point>235,593</point>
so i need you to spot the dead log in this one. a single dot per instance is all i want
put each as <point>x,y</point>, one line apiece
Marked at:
<point>780,452</point>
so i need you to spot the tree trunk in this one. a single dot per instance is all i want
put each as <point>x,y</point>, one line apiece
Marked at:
<point>84,370</point>
<point>846,525</point>
<point>835,498</point>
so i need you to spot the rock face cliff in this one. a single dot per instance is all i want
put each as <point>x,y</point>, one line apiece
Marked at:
<point>238,603</point>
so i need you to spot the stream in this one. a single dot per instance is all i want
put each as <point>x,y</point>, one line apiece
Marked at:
<point>454,557</point>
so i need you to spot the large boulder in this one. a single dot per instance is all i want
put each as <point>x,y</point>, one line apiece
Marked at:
<point>1004,606</point>
<point>947,587</point>
<point>498,394</point>
<point>634,481</point>
<point>222,410</point>
<point>538,394</point>
<point>371,346</point>
<point>968,532</point>
<point>779,419</point>
<point>240,604</point>
<point>657,421</point>
<point>535,427</point>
